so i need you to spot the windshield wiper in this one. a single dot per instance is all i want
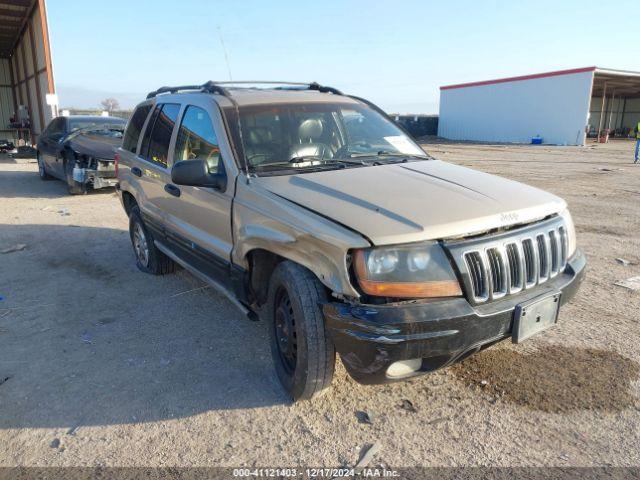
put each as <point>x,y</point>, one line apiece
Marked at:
<point>384,157</point>
<point>329,161</point>
<point>321,162</point>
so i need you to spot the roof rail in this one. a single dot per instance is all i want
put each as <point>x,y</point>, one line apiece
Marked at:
<point>216,87</point>
<point>324,88</point>
<point>309,86</point>
<point>209,87</point>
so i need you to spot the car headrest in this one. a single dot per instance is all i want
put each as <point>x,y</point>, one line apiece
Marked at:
<point>258,135</point>
<point>311,128</point>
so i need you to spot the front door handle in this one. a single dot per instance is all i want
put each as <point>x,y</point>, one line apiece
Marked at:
<point>172,190</point>
<point>136,171</point>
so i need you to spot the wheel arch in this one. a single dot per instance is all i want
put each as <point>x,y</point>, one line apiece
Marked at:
<point>128,202</point>
<point>261,261</point>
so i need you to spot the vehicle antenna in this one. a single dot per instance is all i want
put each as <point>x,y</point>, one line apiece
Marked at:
<point>224,49</point>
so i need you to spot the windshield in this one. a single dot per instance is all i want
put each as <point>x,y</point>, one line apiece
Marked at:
<point>107,131</point>
<point>81,124</point>
<point>314,135</point>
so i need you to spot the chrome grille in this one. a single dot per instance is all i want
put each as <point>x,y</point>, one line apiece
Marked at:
<point>513,261</point>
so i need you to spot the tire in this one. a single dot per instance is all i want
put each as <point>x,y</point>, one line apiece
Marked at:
<point>148,258</point>
<point>303,353</point>
<point>42,170</point>
<point>75,188</point>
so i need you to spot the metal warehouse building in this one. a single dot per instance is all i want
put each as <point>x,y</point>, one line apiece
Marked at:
<point>561,107</point>
<point>26,73</point>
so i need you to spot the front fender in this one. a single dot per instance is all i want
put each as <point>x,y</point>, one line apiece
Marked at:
<point>265,221</point>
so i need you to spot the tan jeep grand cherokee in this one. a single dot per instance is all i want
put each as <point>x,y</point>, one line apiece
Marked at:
<point>313,210</point>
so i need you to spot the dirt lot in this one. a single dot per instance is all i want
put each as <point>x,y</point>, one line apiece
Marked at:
<point>107,366</point>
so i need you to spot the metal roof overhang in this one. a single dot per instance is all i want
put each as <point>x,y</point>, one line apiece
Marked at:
<point>14,15</point>
<point>620,83</point>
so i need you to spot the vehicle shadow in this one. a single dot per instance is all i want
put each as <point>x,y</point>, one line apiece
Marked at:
<point>553,378</point>
<point>87,339</point>
<point>27,184</point>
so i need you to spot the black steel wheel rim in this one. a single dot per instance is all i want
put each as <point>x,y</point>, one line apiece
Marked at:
<point>285,331</point>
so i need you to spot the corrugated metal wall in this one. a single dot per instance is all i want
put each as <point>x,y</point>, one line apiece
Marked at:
<point>6,98</point>
<point>556,108</point>
<point>30,74</point>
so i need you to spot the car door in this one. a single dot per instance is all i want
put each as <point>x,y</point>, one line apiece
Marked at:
<point>56,144</point>
<point>49,145</point>
<point>152,168</point>
<point>198,219</point>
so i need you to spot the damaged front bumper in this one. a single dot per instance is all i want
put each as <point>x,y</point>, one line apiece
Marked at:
<point>101,175</point>
<point>371,338</point>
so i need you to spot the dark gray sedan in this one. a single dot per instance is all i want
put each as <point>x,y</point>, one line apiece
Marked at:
<point>80,151</point>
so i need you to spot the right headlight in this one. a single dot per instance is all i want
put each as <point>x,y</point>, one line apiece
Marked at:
<point>406,271</point>
<point>571,233</point>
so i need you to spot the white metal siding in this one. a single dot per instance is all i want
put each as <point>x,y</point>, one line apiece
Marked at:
<point>556,108</point>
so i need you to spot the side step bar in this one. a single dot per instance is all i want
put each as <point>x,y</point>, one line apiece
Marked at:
<point>205,278</point>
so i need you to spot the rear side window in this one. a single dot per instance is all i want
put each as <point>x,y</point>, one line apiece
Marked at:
<point>136,123</point>
<point>164,119</point>
<point>197,140</point>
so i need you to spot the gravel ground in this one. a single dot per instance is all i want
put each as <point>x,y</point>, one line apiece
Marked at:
<point>101,365</point>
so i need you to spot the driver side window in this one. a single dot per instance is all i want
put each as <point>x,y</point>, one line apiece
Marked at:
<point>55,130</point>
<point>197,140</point>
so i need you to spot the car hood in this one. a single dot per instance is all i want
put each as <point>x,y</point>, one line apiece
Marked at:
<point>409,202</point>
<point>97,146</point>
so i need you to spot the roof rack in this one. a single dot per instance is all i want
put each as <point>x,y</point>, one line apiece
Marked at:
<point>217,88</point>
<point>209,87</point>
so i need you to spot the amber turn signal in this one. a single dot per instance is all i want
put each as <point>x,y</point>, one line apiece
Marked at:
<point>430,289</point>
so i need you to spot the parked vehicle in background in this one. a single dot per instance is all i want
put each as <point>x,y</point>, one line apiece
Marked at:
<point>6,146</point>
<point>314,211</point>
<point>80,151</point>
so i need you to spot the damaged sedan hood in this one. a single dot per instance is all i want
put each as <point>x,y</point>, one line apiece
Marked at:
<point>96,146</point>
<point>415,201</point>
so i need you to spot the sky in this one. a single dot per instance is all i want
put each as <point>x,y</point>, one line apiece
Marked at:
<point>394,53</point>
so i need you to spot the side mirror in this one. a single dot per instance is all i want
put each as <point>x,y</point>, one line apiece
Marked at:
<point>195,173</point>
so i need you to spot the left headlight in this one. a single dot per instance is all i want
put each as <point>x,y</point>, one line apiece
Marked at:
<point>406,271</point>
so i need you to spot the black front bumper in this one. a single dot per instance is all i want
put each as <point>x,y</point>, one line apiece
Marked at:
<point>370,338</point>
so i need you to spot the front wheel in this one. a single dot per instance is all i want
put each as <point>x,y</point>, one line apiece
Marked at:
<point>302,351</point>
<point>42,171</point>
<point>75,188</point>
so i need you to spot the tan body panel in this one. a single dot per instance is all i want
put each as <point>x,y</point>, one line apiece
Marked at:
<point>416,201</point>
<point>265,221</point>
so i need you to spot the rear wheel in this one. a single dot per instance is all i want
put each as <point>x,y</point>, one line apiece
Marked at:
<point>302,351</point>
<point>42,171</point>
<point>148,258</point>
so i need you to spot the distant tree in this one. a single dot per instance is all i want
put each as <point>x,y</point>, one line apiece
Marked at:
<point>110,104</point>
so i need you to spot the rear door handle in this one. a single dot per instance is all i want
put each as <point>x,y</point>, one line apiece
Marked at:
<point>136,171</point>
<point>172,190</point>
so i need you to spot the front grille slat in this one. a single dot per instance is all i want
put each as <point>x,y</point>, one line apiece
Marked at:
<point>543,257</point>
<point>515,261</point>
<point>564,247</point>
<point>478,275</point>
<point>498,271</point>
<point>530,263</point>
<point>499,268</point>
<point>556,252</point>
